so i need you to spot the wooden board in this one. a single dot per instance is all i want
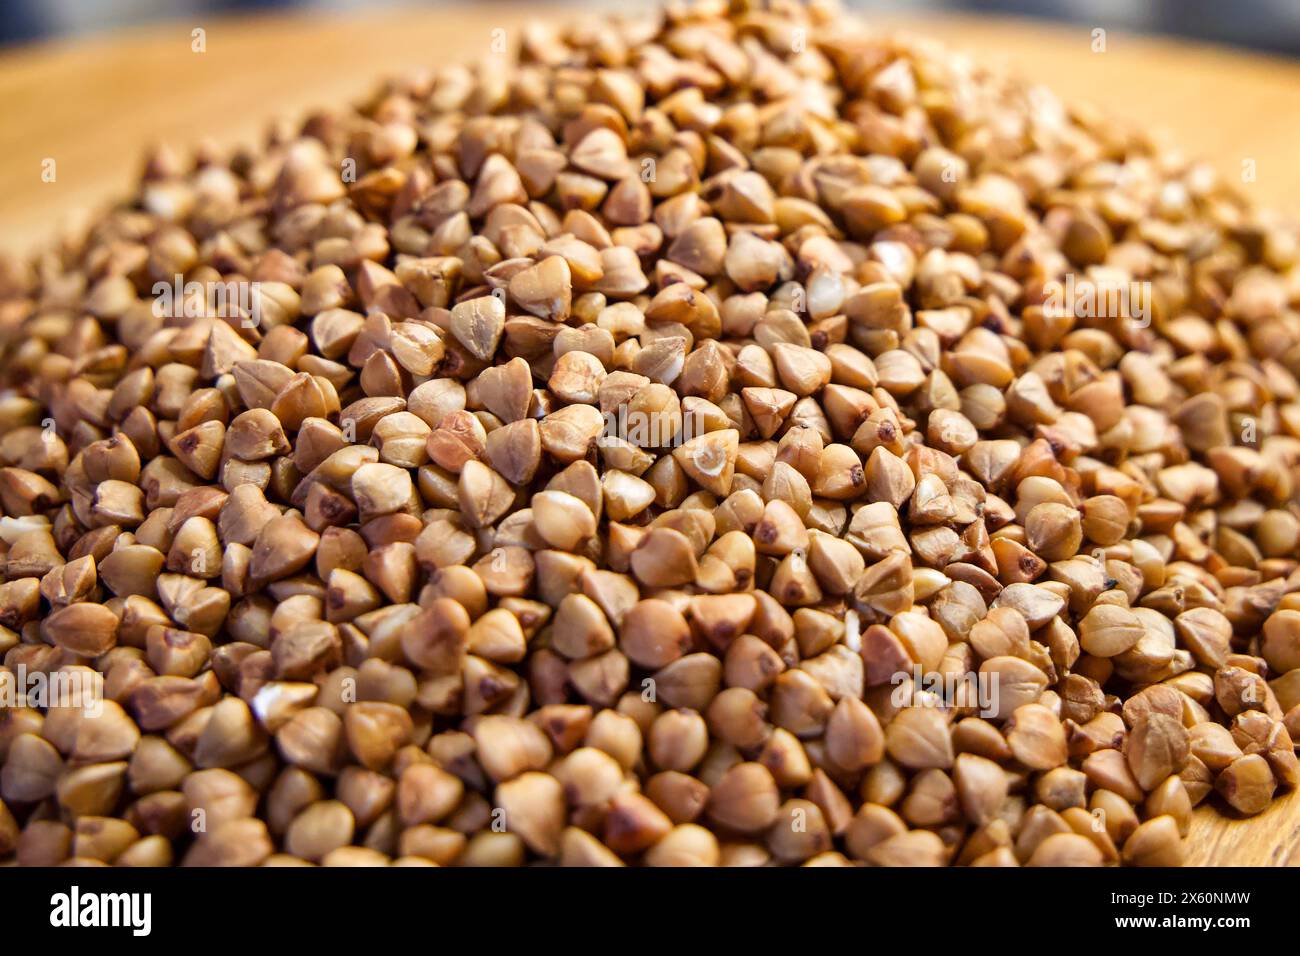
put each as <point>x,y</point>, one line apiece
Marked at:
<point>1270,839</point>
<point>93,105</point>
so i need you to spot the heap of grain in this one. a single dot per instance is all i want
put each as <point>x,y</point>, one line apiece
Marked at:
<point>722,437</point>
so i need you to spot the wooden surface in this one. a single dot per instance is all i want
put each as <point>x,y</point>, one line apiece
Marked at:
<point>1270,839</point>
<point>93,105</point>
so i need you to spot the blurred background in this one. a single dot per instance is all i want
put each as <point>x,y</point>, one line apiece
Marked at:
<point>88,84</point>
<point>1269,25</point>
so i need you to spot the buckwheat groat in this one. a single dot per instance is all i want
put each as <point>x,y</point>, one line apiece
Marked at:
<point>725,436</point>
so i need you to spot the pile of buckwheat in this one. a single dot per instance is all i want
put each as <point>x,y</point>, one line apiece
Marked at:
<point>725,436</point>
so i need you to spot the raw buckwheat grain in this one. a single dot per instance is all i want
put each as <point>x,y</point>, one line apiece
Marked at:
<point>727,436</point>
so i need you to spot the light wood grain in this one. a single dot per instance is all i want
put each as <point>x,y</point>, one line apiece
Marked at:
<point>1270,839</point>
<point>93,105</point>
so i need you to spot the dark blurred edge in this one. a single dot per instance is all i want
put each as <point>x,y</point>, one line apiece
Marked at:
<point>1264,25</point>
